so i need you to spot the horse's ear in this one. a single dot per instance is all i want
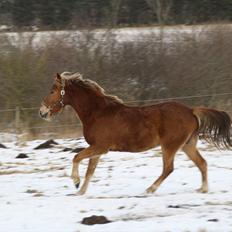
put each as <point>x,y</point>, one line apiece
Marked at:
<point>58,77</point>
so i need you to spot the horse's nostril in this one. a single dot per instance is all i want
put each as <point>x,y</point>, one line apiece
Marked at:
<point>43,115</point>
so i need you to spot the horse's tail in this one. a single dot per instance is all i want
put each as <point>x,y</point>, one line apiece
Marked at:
<point>214,126</point>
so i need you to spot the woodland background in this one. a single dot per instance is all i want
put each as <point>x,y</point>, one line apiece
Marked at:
<point>60,14</point>
<point>194,68</point>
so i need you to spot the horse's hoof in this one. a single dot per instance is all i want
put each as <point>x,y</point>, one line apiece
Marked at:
<point>202,190</point>
<point>80,193</point>
<point>76,182</point>
<point>77,185</point>
<point>150,190</point>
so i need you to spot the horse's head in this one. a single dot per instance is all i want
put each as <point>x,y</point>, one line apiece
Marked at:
<point>55,101</point>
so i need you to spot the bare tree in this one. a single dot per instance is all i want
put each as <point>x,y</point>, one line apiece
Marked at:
<point>162,9</point>
<point>115,7</point>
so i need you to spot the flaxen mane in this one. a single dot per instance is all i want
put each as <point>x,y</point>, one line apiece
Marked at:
<point>77,79</point>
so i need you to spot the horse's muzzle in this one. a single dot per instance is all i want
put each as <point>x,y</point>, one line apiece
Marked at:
<point>44,112</point>
<point>43,115</point>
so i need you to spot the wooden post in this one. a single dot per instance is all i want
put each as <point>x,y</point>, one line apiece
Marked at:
<point>17,119</point>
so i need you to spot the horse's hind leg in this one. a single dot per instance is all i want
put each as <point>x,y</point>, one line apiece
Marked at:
<point>192,152</point>
<point>168,167</point>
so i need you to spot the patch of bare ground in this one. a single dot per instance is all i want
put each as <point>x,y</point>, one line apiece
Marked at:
<point>38,195</point>
<point>95,220</point>
<point>223,167</point>
<point>35,193</point>
<point>137,217</point>
<point>227,203</point>
<point>31,191</point>
<point>208,147</point>
<point>36,170</point>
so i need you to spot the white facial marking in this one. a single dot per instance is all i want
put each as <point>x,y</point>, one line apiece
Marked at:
<point>44,112</point>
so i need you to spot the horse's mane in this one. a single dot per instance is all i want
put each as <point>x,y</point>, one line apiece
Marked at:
<point>77,79</point>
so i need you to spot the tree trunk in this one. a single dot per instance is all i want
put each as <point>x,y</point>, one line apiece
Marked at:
<point>162,10</point>
<point>115,6</point>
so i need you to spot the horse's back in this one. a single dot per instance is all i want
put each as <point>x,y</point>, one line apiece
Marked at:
<point>141,128</point>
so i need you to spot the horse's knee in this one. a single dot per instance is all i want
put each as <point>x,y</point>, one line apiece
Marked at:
<point>75,158</point>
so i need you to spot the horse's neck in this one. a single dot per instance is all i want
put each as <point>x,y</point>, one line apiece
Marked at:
<point>86,105</point>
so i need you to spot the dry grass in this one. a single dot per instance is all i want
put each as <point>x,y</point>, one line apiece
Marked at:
<point>35,170</point>
<point>148,68</point>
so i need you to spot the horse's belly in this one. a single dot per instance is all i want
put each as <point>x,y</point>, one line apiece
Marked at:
<point>136,144</point>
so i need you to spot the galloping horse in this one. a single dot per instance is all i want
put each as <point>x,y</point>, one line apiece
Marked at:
<point>110,125</point>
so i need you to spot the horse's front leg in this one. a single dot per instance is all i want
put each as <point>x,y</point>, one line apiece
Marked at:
<point>89,173</point>
<point>93,154</point>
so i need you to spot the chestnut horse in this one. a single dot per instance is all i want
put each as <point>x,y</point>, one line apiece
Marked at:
<point>110,125</point>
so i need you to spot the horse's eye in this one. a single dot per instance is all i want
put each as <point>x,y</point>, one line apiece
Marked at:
<point>52,91</point>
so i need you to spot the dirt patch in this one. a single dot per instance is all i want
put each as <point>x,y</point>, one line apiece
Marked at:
<point>35,193</point>
<point>67,149</point>
<point>95,220</point>
<point>2,146</point>
<point>48,144</point>
<point>31,191</point>
<point>78,149</point>
<point>183,206</point>
<point>38,195</point>
<point>22,156</point>
<point>37,170</point>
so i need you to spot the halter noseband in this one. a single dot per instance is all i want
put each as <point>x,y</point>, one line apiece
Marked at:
<point>61,101</point>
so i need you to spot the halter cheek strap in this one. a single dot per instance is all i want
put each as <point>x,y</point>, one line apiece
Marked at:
<point>62,93</point>
<point>61,101</point>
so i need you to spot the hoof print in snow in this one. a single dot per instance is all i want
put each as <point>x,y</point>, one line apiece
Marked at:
<point>95,220</point>
<point>22,156</point>
<point>78,149</point>
<point>48,144</point>
<point>2,146</point>
<point>213,220</point>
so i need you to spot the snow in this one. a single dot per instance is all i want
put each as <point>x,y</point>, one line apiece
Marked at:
<point>37,193</point>
<point>91,37</point>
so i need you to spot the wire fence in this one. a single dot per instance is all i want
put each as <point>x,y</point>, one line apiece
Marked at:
<point>14,122</point>
<point>139,101</point>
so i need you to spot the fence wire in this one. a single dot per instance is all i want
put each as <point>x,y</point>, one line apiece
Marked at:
<point>16,110</point>
<point>138,101</point>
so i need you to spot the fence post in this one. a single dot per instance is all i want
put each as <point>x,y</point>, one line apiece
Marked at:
<point>17,119</point>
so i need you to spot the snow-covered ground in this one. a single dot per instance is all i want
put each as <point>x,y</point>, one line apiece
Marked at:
<point>37,194</point>
<point>79,38</point>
